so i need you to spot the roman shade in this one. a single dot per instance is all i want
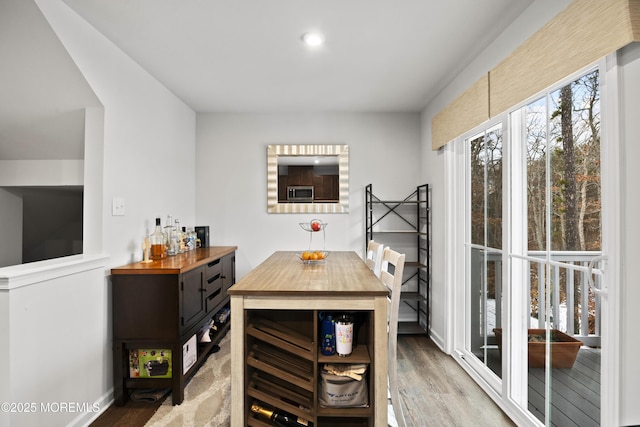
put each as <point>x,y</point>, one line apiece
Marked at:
<point>582,33</point>
<point>466,112</point>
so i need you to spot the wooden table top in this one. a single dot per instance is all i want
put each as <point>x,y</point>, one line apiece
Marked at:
<point>283,273</point>
<point>177,264</point>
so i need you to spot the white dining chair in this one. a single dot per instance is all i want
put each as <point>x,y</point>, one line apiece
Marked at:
<point>391,270</point>
<point>373,258</point>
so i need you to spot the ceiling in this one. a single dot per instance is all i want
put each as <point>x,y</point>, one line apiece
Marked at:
<point>241,56</point>
<point>247,55</point>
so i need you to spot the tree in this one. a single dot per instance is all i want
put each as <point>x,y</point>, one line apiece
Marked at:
<point>570,199</point>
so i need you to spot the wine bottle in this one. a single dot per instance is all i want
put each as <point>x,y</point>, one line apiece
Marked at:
<point>280,418</point>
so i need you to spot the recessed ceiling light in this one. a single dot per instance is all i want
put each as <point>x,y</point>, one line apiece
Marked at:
<point>312,39</point>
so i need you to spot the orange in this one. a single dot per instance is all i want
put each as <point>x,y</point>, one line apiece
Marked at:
<point>306,256</point>
<point>320,255</point>
<point>314,256</point>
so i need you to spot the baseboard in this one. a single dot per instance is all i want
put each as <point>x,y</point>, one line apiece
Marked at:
<point>101,404</point>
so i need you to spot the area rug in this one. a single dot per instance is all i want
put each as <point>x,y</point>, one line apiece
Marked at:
<point>206,396</point>
<point>207,400</point>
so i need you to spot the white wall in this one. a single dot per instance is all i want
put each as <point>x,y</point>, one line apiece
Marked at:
<point>147,157</point>
<point>232,173</point>
<point>53,345</point>
<point>149,136</point>
<point>16,173</point>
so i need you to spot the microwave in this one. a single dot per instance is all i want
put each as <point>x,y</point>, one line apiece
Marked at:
<point>300,193</point>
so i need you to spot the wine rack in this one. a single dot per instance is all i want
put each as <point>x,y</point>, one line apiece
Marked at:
<point>283,364</point>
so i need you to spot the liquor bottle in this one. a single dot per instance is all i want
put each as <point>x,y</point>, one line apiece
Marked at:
<point>188,239</point>
<point>169,232</point>
<point>178,238</point>
<point>185,239</point>
<point>280,418</point>
<point>158,247</point>
<point>192,239</point>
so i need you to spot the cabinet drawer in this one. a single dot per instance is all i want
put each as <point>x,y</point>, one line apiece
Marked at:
<point>213,268</point>
<point>214,293</point>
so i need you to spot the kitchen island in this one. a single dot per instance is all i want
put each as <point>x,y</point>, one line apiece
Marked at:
<point>275,355</point>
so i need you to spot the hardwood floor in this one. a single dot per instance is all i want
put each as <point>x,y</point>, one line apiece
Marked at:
<point>133,414</point>
<point>434,389</point>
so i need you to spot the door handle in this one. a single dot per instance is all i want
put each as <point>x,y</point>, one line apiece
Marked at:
<point>602,291</point>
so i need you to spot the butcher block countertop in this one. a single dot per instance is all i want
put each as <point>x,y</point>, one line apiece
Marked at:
<point>284,274</point>
<point>177,264</point>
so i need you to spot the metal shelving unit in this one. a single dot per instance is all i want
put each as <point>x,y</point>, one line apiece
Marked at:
<point>404,225</point>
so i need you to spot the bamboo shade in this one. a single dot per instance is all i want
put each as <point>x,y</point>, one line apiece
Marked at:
<point>584,32</point>
<point>468,110</point>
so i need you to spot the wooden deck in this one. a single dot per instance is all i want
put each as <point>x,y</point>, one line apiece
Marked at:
<point>575,392</point>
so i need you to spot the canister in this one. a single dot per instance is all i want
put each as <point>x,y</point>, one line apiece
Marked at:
<point>344,335</point>
<point>327,334</point>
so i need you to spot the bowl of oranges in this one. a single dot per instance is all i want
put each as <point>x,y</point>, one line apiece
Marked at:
<point>311,257</point>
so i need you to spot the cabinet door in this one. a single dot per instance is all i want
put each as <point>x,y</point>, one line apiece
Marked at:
<point>192,296</point>
<point>228,271</point>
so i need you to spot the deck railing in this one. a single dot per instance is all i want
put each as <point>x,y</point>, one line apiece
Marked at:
<point>574,308</point>
<point>569,273</point>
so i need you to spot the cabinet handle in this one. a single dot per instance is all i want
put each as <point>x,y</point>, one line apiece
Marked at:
<point>212,263</point>
<point>213,279</point>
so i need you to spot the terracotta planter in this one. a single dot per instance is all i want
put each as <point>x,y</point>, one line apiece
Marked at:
<point>564,348</point>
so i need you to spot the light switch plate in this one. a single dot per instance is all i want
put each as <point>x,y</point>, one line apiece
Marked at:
<point>117,206</point>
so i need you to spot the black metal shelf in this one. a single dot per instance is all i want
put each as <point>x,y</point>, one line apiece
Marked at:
<point>416,220</point>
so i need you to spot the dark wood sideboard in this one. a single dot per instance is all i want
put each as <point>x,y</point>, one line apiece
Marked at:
<point>163,305</point>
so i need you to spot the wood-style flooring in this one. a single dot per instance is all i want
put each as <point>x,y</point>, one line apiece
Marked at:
<point>133,414</point>
<point>434,389</point>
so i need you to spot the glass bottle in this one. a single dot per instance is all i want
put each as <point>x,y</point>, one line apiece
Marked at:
<point>168,230</point>
<point>179,238</point>
<point>192,239</point>
<point>158,246</point>
<point>185,239</point>
<point>281,419</point>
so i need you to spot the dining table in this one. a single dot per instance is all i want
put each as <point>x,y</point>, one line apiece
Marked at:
<point>285,282</point>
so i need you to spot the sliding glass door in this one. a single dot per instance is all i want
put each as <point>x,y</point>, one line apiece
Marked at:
<point>533,235</point>
<point>564,234</point>
<point>484,249</point>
